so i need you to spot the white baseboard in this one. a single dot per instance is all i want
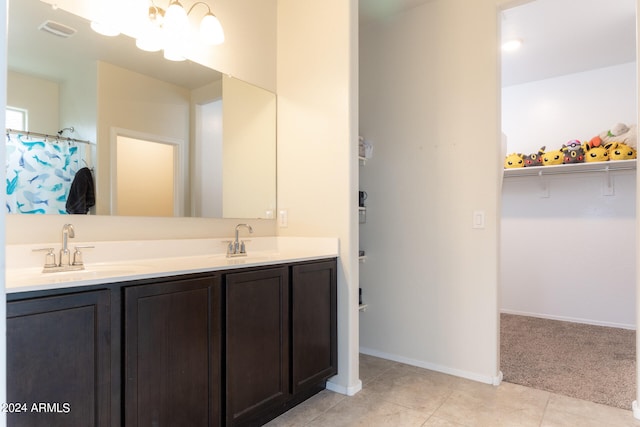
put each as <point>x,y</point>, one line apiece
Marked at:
<point>635,409</point>
<point>346,390</point>
<point>487,379</point>
<point>570,319</point>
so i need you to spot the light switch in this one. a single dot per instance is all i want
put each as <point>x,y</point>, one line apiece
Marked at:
<point>283,218</point>
<point>478,219</point>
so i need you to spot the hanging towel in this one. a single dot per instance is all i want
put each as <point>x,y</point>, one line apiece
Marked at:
<point>81,195</point>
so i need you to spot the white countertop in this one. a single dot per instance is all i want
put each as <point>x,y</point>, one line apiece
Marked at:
<point>109,262</point>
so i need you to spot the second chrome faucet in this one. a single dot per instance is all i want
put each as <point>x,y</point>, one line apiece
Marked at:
<point>237,247</point>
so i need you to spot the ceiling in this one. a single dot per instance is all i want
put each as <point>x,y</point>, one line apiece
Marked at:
<point>559,36</point>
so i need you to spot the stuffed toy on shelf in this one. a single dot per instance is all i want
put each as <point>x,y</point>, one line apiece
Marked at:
<point>550,158</point>
<point>596,154</point>
<point>573,152</point>
<point>515,160</point>
<point>621,151</point>
<point>533,159</point>
<point>619,132</point>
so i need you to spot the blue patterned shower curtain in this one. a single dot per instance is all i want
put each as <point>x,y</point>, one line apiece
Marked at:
<point>39,174</point>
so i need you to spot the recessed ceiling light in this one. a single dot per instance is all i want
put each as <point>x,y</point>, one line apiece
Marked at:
<point>511,45</point>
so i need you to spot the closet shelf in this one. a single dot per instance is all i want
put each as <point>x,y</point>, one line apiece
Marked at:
<point>571,168</point>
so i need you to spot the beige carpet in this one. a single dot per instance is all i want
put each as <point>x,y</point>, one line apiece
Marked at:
<point>587,362</point>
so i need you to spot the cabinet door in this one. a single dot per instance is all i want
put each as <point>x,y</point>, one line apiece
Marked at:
<point>256,343</point>
<point>172,365</point>
<point>58,352</point>
<point>313,323</point>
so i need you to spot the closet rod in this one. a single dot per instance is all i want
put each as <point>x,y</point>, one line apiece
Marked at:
<point>57,138</point>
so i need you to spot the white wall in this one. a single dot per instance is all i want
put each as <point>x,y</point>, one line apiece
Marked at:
<point>581,243</point>
<point>429,104</point>
<point>249,150</point>
<point>207,161</point>
<point>78,107</point>
<point>206,150</point>
<point>39,96</point>
<point>570,256</point>
<point>317,146</point>
<point>579,106</point>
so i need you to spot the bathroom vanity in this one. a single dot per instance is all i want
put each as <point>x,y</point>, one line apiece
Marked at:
<point>199,340</point>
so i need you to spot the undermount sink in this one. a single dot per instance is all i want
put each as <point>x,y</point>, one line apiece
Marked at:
<point>111,270</point>
<point>90,271</point>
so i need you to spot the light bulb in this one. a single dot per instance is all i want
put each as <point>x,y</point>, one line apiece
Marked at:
<point>211,30</point>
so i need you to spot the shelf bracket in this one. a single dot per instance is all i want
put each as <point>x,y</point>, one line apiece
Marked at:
<point>544,185</point>
<point>608,189</point>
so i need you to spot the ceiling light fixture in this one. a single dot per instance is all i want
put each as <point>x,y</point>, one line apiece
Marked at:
<point>169,30</point>
<point>512,45</point>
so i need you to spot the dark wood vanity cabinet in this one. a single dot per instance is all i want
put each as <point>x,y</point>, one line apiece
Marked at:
<point>256,342</point>
<point>171,353</point>
<point>281,338</point>
<point>58,360</point>
<point>314,353</point>
<point>207,349</point>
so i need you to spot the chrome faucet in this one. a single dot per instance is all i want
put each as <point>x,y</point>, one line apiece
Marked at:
<point>65,262</point>
<point>65,254</point>
<point>237,247</point>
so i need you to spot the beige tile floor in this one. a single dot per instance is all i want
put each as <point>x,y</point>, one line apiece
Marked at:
<point>398,395</point>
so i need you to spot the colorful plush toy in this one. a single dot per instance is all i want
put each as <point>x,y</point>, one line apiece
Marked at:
<point>534,159</point>
<point>596,154</point>
<point>620,151</point>
<point>554,157</point>
<point>514,161</point>
<point>620,133</point>
<point>573,152</point>
<point>596,141</point>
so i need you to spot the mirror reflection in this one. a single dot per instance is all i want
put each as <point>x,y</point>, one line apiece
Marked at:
<point>217,133</point>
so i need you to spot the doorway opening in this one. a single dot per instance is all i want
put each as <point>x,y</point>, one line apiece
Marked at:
<point>562,224</point>
<point>145,176</point>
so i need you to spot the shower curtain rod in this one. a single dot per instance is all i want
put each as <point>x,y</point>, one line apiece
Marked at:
<point>57,138</point>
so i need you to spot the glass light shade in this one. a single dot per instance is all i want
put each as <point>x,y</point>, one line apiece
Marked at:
<point>174,52</point>
<point>148,44</point>
<point>175,18</point>
<point>151,38</point>
<point>211,31</point>
<point>105,30</point>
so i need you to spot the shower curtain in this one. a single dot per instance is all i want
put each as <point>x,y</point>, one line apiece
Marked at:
<point>39,174</point>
